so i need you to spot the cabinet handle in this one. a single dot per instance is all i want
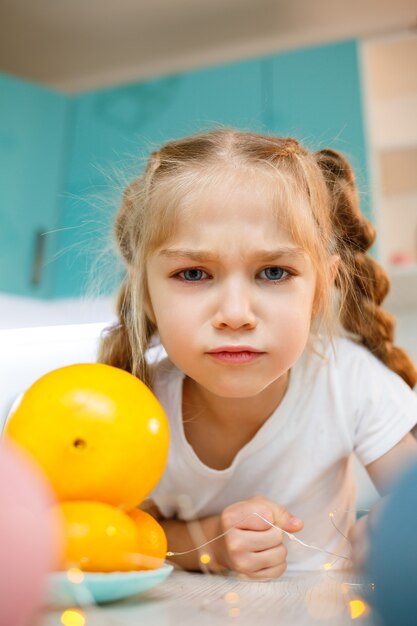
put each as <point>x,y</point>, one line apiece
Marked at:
<point>38,256</point>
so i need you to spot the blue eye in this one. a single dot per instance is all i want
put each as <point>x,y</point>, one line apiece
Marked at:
<point>192,275</point>
<point>273,273</point>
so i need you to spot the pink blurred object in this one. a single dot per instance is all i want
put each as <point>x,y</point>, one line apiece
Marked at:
<point>29,538</point>
<point>401,257</point>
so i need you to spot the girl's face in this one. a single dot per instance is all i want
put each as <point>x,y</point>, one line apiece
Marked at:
<point>231,293</point>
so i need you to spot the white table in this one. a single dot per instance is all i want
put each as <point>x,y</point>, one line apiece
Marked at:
<point>187,599</point>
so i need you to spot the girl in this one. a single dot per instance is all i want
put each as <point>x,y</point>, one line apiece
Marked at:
<point>246,257</point>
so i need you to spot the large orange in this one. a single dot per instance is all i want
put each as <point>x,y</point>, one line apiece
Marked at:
<point>97,432</point>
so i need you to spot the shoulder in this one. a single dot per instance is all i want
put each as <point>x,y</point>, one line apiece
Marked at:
<point>355,373</point>
<point>350,358</point>
<point>371,384</point>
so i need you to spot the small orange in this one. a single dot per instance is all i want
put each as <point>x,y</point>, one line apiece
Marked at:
<point>97,537</point>
<point>97,432</point>
<point>151,546</point>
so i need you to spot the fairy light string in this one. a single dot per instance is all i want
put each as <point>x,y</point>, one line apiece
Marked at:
<point>346,586</point>
<point>290,536</point>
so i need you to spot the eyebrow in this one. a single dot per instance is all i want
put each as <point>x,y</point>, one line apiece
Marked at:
<point>206,255</point>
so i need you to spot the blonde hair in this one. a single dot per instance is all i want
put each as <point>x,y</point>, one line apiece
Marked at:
<point>316,198</point>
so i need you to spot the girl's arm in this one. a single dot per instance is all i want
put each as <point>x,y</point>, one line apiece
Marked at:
<point>385,470</point>
<point>180,540</point>
<point>244,549</point>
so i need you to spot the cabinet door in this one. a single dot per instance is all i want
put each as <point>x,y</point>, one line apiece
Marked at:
<point>86,263</point>
<point>315,95</point>
<point>32,132</point>
<point>115,129</point>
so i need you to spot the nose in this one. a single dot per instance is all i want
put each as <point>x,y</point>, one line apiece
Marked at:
<point>234,307</point>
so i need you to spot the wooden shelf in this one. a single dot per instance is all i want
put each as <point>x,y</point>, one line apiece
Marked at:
<point>394,123</point>
<point>403,292</point>
<point>401,271</point>
<point>390,82</point>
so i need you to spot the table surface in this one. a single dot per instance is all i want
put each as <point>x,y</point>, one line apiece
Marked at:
<point>185,599</point>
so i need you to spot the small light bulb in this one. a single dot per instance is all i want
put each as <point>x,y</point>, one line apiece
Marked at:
<point>205,558</point>
<point>232,597</point>
<point>75,575</point>
<point>357,608</point>
<point>327,566</point>
<point>71,617</point>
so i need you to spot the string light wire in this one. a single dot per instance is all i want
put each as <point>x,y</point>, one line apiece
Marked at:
<point>290,536</point>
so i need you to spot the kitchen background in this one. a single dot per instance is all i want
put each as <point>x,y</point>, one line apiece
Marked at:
<point>88,88</point>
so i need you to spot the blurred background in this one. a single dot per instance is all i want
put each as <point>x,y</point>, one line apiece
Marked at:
<point>89,87</point>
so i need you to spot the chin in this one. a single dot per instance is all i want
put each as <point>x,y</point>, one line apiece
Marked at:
<point>235,389</point>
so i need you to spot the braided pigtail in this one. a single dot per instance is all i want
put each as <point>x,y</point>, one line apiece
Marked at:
<point>362,282</point>
<point>124,344</point>
<point>115,348</point>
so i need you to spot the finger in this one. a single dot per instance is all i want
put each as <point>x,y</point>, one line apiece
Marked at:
<point>248,516</point>
<point>285,520</point>
<point>255,562</point>
<point>254,540</point>
<point>269,573</point>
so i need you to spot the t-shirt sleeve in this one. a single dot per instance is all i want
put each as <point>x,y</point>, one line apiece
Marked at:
<point>165,503</point>
<point>386,408</point>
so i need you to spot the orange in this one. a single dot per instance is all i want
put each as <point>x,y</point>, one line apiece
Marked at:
<point>152,542</point>
<point>97,432</point>
<point>97,537</point>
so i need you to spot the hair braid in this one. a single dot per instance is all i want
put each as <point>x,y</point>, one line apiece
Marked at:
<point>362,282</point>
<point>115,346</point>
<point>119,345</point>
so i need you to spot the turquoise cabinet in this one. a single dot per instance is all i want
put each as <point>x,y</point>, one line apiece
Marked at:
<point>65,160</point>
<point>115,127</point>
<point>32,157</point>
<point>85,262</point>
<point>114,130</point>
<point>315,95</point>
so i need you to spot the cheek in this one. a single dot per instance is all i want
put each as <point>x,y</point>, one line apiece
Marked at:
<point>291,320</point>
<point>175,322</point>
<point>293,308</point>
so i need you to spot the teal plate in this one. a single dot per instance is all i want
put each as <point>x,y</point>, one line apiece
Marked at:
<point>97,588</point>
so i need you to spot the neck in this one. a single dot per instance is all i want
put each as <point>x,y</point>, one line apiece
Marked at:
<point>252,412</point>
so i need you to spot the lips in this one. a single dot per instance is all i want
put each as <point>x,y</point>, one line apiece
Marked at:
<point>237,355</point>
<point>235,349</point>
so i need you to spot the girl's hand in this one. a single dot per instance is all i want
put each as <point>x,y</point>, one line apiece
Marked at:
<point>252,547</point>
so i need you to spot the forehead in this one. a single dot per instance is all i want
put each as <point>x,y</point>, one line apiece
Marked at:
<point>232,203</point>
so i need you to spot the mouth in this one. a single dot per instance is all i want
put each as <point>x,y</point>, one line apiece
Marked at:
<point>235,354</point>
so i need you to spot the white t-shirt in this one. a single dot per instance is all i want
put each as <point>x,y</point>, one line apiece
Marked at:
<point>301,457</point>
